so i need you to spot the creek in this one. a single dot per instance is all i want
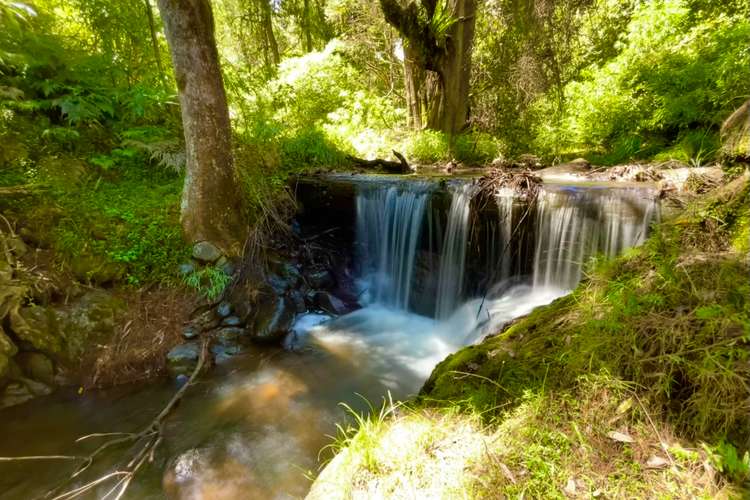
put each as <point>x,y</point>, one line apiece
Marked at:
<point>433,270</point>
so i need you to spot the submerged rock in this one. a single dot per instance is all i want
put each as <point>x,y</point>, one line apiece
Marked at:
<point>206,252</point>
<point>22,390</point>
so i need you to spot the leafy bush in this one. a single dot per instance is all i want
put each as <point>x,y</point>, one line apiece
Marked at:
<point>679,71</point>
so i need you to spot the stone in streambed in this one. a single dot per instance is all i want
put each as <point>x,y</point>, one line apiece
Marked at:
<point>330,304</point>
<point>190,332</point>
<point>183,358</point>
<point>278,284</point>
<point>298,299</point>
<point>206,252</point>
<point>273,319</point>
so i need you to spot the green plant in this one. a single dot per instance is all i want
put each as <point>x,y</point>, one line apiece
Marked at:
<point>208,281</point>
<point>729,461</point>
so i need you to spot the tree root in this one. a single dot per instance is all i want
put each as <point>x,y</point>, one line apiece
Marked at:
<point>147,441</point>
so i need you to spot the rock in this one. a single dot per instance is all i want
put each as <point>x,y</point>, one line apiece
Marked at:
<point>37,366</point>
<point>207,320</point>
<point>190,332</point>
<point>231,321</point>
<point>97,270</point>
<point>88,321</point>
<point>290,273</point>
<point>277,283</point>
<point>230,335</point>
<point>183,358</point>
<point>226,266</point>
<point>14,394</point>
<point>320,278</point>
<point>298,299</point>
<point>17,246</point>
<point>7,350</point>
<point>22,390</point>
<point>224,309</point>
<point>186,268</point>
<point>222,352</point>
<point>206,252</point>
<point>330,304</point>
<point>273,319</point>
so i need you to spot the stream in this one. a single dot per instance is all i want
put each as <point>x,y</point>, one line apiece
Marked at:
<point>431,277</point>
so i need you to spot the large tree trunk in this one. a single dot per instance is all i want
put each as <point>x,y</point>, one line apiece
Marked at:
<point>211,198</point>
<point>437,65</point>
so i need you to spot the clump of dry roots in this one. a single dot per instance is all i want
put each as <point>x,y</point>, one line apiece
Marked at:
<point>524,184</point>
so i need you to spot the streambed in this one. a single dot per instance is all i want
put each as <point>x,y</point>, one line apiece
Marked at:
<point>254,426</point>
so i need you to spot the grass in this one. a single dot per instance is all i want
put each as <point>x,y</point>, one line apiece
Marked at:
<point>550,445</point>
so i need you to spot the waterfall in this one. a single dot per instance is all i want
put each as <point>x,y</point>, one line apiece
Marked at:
<point>505,213</point>
<point>389,222</point>
<point>415,256</point>
<point>574,224</point>
<point>452,262</point>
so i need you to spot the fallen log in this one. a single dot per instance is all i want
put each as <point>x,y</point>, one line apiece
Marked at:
<point>390,166</point>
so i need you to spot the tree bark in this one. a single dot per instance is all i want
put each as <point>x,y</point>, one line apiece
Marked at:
<point>443,58</point>
<point>212,208</point>
<point>154,41</point>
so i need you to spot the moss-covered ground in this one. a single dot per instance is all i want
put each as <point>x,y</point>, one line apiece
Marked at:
<point>635,385</point>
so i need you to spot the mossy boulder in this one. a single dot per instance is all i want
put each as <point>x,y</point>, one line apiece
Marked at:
<point>97,270</point>
<point>65,333</point>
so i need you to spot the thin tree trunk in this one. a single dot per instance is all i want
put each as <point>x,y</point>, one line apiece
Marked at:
<point>413,83</point>
<point>307,26</point>
<point>154,40</point>
<point>212,208</point>
<point>267,20</point>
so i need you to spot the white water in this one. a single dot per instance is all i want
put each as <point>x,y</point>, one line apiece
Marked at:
<point>452,263</point>
<point>575,224</point>
<point>388,229</point>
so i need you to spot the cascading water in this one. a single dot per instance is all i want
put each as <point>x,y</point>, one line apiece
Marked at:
<point>574,224</point>
<point>451,277</point>
<point>388,229</point>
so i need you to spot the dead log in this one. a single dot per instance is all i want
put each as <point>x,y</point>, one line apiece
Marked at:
<point>390,166</point>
